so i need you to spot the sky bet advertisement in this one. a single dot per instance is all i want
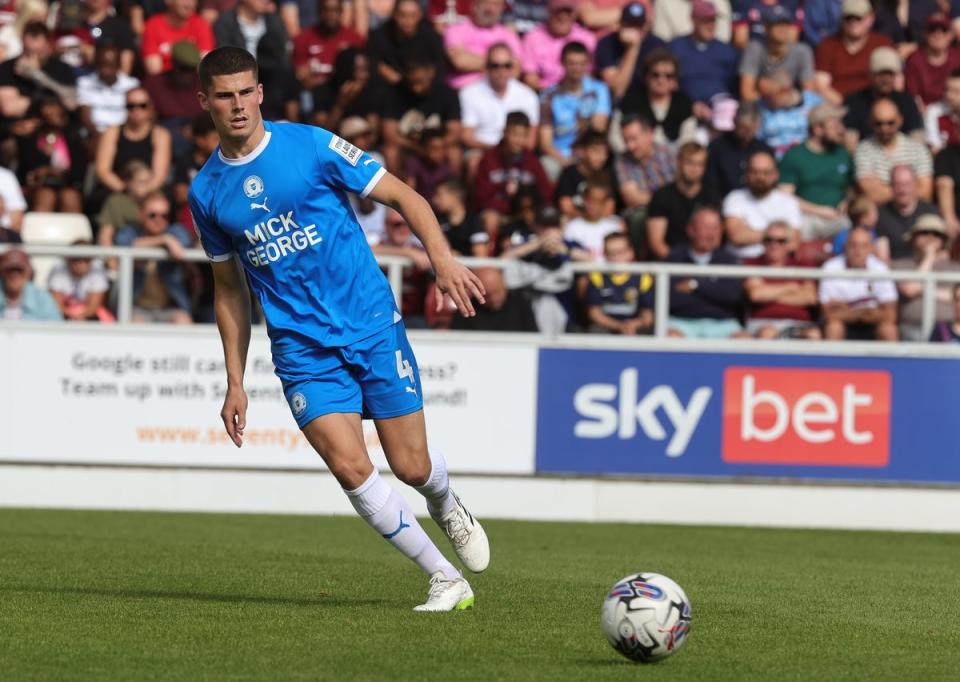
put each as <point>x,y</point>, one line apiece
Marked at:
<point>701,415</point>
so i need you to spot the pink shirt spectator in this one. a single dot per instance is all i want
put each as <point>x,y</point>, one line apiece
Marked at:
<point>541,52</point>
<point>477,41</point>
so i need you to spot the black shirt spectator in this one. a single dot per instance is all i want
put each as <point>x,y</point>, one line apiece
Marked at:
<point>354,89</point>
<point>859,106</point>
<point>946,173</point>
<point>463,235</point>
<point>670,203</point>
<point>895,225</point>
<point>611,51</point>
<point>636,101</point>
<point>887,23</point>
<point>713,298</point>
<point>405,30</point>
<point>727,162</point>
<point>439,105</point>
<point>53,67</point>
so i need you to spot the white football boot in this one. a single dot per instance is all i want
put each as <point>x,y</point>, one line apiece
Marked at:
<point>447,595</point>
<point>466,535</point>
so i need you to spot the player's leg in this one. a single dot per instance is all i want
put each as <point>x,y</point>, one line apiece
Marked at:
<point>390,381</point>
<point>404,441</point>
<point>325,399</point>
<point>338,439</point>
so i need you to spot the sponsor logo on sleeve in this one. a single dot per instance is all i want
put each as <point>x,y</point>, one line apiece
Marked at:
<point>349,152</point>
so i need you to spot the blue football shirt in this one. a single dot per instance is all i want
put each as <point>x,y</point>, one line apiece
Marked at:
<point>283,210</point>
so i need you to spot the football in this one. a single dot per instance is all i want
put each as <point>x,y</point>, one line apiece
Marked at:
<point>646,617</point>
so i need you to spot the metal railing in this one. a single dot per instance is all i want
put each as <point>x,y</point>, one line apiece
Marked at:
<point>662,272</point>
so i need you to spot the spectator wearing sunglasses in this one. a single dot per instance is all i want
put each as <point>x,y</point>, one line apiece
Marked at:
<point>885,70</point>
<point>138,138</point>
<point>780,308</point>
<point>927,69</point>
<point>660,100</point>
<point>159,289</point>
<point>888,147</point>
<point>484,105</point>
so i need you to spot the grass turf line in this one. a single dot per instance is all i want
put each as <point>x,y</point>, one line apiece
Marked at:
<point>146,596</point>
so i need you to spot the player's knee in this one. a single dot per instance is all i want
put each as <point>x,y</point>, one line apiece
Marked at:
<point>350,473</point>
<point>413,471</point>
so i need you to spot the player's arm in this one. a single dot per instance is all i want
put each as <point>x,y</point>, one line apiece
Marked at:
<point>453,277</point>
<point>231,303</point>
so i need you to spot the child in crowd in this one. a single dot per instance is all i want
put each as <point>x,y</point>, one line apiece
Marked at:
<point>862,213</point>
<point>79,286</point>
<point>425,172</point>
<point>593,164</point>
<point>122,208</point>
<point>464,230</point>
<point>503,170</point>
<point>619,303</point>
<point>598,219</point>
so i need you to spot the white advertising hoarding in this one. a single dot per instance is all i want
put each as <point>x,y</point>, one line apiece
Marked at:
<point>152,395</point>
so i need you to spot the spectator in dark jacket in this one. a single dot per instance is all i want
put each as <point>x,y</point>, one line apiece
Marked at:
<point>705,307</point>
<point>258,29</point>
<point>728,154</point>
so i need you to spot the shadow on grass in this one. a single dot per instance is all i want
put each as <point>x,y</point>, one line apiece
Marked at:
<point>140,593</point>
<point>604,662</point>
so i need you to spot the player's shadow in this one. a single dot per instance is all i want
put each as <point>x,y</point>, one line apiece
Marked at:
<point>178,595</point>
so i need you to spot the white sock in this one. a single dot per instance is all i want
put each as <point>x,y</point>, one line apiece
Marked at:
<point>437,488</point>
<point>390,515</point>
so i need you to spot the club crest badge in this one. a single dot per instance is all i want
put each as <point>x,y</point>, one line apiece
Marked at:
<point>253,186</point>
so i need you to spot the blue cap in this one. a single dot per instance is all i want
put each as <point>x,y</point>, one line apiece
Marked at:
<point>777,14</point>
<point>633,14</point>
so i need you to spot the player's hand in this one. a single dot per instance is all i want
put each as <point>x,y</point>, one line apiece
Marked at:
<point>460,284</point>
<point>234,414</point>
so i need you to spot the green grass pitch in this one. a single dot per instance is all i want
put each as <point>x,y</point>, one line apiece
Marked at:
<point>138,596</point>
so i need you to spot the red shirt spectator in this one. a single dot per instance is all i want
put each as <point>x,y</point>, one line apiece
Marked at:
<point>161,31</point>
<point>774,310</point>
<point>850,72</point>
<point>316,48</point>
<point>926,71</point>
<point>501,173</point>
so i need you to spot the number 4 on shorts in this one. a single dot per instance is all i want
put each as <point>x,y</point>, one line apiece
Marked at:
<point>404,370</point>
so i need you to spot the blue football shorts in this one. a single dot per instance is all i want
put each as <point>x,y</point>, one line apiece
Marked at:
<point>376,377</point>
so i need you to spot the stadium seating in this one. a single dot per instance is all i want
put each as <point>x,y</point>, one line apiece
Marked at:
<point>57,229</point>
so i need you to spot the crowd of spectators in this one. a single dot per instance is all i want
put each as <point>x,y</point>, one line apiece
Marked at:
<point>817,133</point>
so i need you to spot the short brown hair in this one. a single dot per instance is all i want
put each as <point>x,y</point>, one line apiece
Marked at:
<point>226,61</point>
<point>858,208</point>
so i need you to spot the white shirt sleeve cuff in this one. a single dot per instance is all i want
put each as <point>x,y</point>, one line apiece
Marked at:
<point>373,182</point>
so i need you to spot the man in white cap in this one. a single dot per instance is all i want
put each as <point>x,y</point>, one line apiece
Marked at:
<point>820,173</point>
<point>928,239</point>
<point>885,67</point>
<point>843,60</point>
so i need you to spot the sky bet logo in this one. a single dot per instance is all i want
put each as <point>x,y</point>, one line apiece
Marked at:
<point>609,409</point>
<point>799,417</point>
<point>812,417</point>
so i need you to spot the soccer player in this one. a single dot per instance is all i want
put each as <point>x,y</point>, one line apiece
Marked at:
<point>273,200</point>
